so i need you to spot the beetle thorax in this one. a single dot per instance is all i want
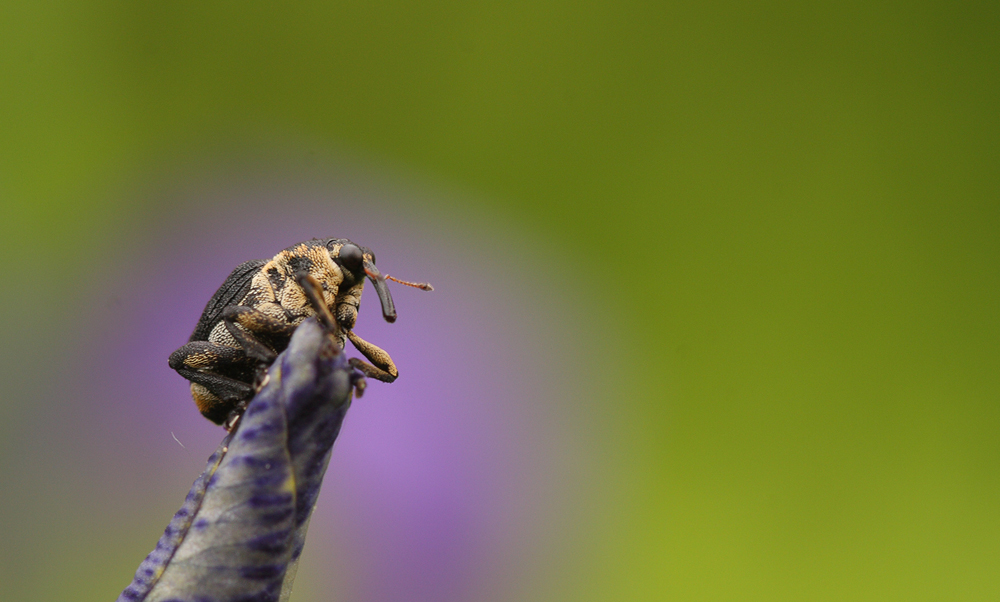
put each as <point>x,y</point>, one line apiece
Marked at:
<point>280,272</point>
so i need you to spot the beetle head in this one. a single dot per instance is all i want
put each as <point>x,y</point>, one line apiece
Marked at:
<point>357,263</point>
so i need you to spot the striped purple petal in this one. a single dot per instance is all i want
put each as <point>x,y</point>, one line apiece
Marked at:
<point>242,526</point>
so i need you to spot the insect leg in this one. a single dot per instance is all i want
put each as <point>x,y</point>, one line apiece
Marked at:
<point>214,366</point>
<point>203,356</point>
<point>218,375</point>
<point>224,387</point>
<point>384,368</point>
<point>314,292</point>
<point>257,329</point>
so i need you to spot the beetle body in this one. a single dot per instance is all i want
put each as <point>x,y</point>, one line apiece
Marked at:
<point>252,316</point>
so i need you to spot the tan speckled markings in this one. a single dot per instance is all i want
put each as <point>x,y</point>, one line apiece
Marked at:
<point>383,363</point>
<point>251,317</point>
<point>207,402</point>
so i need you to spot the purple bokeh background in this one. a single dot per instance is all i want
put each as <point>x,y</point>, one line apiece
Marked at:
<point>446,485</point>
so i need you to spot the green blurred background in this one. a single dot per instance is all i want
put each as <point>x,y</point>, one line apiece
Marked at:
<point>784,220</point>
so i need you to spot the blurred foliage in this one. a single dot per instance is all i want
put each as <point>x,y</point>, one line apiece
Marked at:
<point>787,215</point>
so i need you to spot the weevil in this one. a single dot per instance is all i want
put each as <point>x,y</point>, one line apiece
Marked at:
<point>252,316</point>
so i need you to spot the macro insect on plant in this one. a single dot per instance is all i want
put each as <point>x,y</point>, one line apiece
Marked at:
<point>252,316</point>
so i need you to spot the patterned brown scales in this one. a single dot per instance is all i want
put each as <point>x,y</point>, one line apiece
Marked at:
<point>252,316</point>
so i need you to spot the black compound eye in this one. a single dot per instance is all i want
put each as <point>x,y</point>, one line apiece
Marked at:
<point>351,257</point>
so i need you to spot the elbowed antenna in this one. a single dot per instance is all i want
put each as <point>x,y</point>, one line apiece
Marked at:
<point>424,286</point>
<point>388,307</point>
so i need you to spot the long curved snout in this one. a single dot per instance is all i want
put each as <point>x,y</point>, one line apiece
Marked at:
<point>378,281</point>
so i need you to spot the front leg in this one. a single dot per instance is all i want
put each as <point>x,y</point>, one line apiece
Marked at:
<point>384,368</point>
